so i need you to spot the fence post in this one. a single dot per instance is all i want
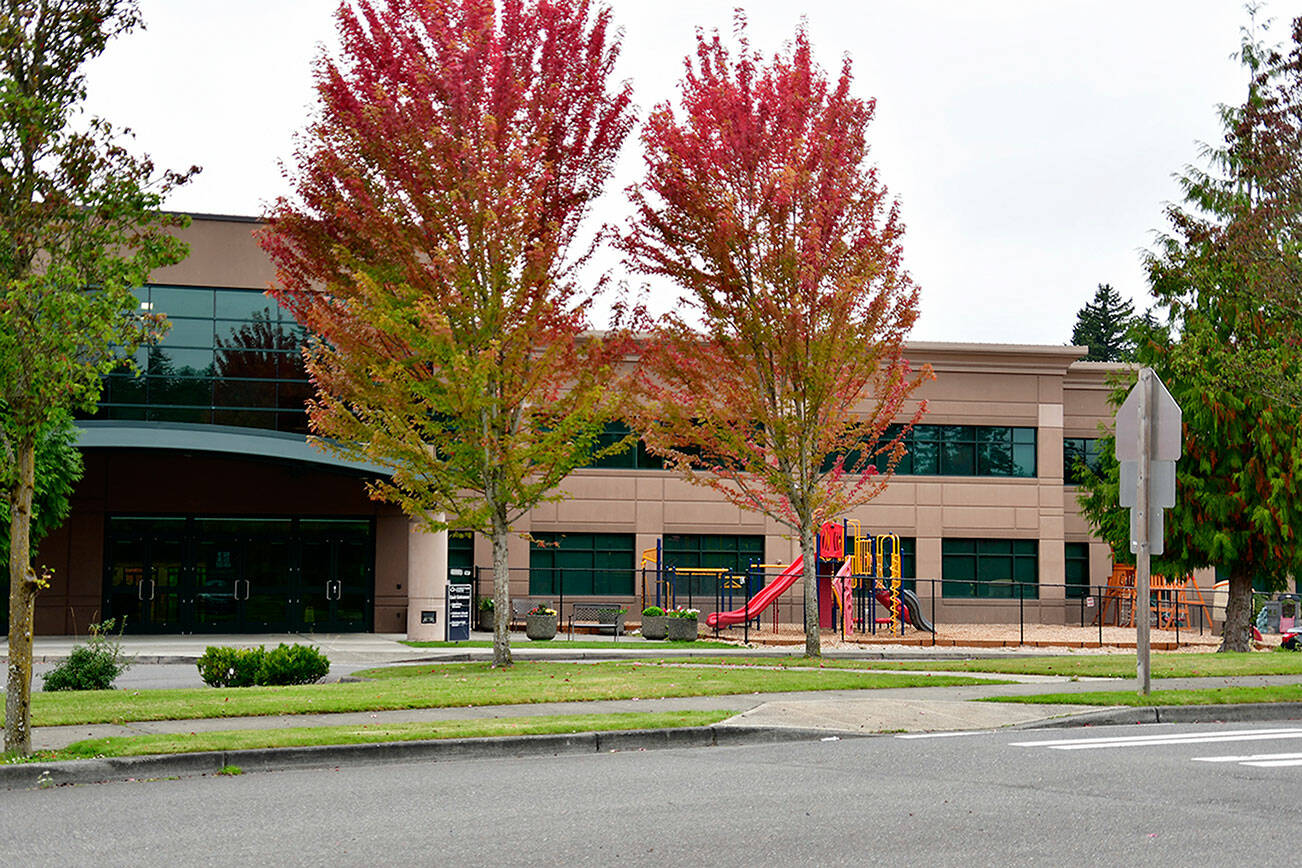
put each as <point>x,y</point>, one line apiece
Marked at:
<point>1102,604</point>
<point>745,631</point>
<point>933,611</point>
<point>1021,615</point>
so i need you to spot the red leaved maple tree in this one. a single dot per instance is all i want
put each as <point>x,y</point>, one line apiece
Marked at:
<point>438,193</point>
<point>776,380</point>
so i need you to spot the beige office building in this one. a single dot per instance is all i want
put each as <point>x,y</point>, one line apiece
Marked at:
<point>204,509</point>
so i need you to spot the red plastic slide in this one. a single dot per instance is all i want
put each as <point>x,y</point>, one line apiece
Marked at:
<point>760,601</point>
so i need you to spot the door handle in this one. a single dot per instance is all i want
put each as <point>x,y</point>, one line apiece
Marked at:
<point>248,586</point>
<point>140,589</point>
<point>153,587</point>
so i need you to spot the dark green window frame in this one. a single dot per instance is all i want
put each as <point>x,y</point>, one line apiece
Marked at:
<point>461,556</point>
<point>1076,569</point>
<point>732,552</point>
<point>989,568</point>
<point>634,457</point>
<point>581,564</point>
<point>1080,455</point>
<point>962,450</point>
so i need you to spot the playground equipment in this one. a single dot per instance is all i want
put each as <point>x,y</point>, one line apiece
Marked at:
<point>873,563</point>
<point>1169,605</point>
<point>761,600</point>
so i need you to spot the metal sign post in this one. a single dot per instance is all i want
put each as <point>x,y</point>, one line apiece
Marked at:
<point>1148,443</point>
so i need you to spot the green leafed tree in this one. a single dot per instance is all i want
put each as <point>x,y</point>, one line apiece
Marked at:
<point>1221,276</point>
<point>775,381</point>
<point>1106,325</point>
<point>79,229</point>
<point>431,249</point>
<point>58,469</point>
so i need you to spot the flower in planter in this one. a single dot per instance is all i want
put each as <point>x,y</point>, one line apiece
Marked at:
<point>485,604</point>
<point>680,612</point>
<point>542,609</point>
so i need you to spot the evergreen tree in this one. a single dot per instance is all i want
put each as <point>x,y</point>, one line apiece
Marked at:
<point>1225,275</point>
<point>1105,326</point>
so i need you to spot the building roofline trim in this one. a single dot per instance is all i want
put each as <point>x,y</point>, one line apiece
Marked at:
<point>223,439</point>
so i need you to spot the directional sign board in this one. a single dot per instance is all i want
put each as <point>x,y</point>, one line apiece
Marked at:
<point>1165,437</point>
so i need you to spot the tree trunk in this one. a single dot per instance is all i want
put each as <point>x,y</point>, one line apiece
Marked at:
<point>501,593</point>
<point>1236,633</point>
<point>813,648</point>
<point>22,603</point>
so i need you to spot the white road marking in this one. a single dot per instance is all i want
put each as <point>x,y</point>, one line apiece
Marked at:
<point>1247,758</point>
<point>1163,739</point>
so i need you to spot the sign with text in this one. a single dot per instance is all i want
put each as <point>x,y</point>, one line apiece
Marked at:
<point>458,621</point>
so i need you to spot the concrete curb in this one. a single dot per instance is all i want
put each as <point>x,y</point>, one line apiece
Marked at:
<point>1121,715</point>
<point>35,775</point>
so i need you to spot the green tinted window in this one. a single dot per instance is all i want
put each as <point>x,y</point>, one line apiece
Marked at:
<point>961,450</point>
<point>581,564</point>
<point>732,552</point>
<point>990,568</point>
<point>229,358</point>
<point>1080,455</point>
<point>1076,569</point>
<point>633,456</point>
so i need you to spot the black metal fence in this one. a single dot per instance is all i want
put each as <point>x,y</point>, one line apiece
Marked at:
<point>921,603</point>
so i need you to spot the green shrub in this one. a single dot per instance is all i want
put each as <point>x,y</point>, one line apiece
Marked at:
<point>652,612</point>
<point>293,664</point>
<point>230,667</point>
<point>93,666</point>
<point>244,667</point>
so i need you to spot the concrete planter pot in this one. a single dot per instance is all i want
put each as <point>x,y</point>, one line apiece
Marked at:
<point>654,626</point>
<point>486,620</point>
<point>540,627</point>
<point>680,629</point>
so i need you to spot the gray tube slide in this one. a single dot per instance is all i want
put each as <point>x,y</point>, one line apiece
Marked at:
<point>913,608</point>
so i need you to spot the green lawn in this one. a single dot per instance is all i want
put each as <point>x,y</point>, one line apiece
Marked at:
<point>459,684</point>
<point>1206,696</point>
<point>245,739</point>
<point>1086,665</point>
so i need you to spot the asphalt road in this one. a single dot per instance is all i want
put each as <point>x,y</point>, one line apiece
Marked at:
<point>1155,795</point>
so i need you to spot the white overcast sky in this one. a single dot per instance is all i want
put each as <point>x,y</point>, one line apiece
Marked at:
<point>1031,143</point>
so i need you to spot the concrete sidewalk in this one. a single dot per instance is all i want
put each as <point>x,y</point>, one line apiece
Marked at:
<point>381,648</point>
<point>755,718</point>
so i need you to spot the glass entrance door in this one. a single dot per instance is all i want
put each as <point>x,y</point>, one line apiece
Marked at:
<point>335,575</point>
<point>147,574</point>
<point>243,573</point>
<point>240,575</point>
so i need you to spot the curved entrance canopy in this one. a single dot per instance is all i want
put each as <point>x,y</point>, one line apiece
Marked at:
<point>94,434</point>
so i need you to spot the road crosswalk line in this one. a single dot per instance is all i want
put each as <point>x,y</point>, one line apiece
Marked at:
<point>1261,760</point>
<point>1166,738</point>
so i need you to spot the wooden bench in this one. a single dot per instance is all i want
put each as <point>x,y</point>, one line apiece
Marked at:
<point>603,616</point>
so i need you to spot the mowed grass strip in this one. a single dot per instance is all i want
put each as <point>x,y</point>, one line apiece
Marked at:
<point>1174,665</point>
<point>458,685</point>
<point>306,736</point>
<point>1208,696</point>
